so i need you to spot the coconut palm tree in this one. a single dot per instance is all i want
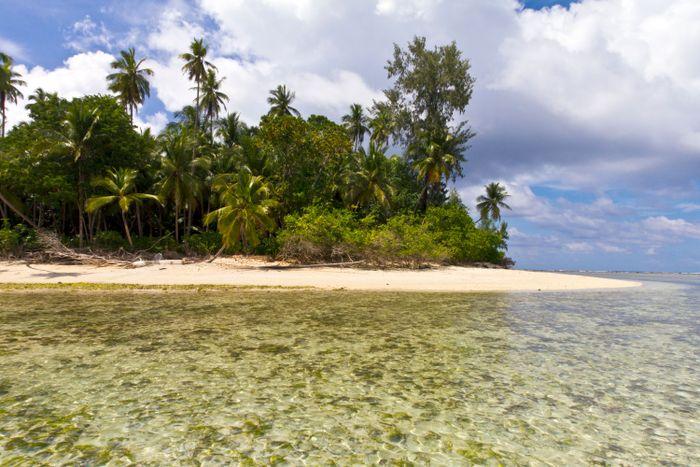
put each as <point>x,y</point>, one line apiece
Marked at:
<point>356,124</point>
<point>185,117</point>
<point>436,159</point>
<point>490,204</point>
<point>130,81</point>
<point>280,101</point>
<point>246,211</point>
<point>231,128</point>
<point>382,124</point>
<point>212,99</point>
<point>9,87</point>
<point>368,181</point>
<point>76,134</point>
<point>120,183</point>
<point>196,67</point>
<point>178,180</point>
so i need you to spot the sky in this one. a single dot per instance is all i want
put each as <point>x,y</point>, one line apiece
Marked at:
<point>588,112</point>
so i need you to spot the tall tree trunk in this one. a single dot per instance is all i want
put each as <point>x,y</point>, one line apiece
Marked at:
<point>16,210</point>
<point>126,229</point>
<point>131,114</point>
<point>81,227</point>
<point>423,203</point>
<point>196,106</point>
<point>139,226</point>
<point>3,211</point>
<point>3,98</point>
<point>177,213</point>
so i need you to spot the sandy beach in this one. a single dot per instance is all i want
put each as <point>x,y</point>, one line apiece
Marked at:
<point>237,272</point>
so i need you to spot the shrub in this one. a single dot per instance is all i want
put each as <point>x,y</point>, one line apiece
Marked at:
<point>155,244</point>
<point>445,235</point>
<point>204,243</point>
<point>110,240</point>
<point>15,240</point>
<point>320,235</point>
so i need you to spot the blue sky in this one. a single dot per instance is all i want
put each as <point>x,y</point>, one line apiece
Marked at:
<point>587,111</point>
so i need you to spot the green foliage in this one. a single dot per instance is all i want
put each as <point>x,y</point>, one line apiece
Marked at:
<point>204,243</point>
<point>14,240</point>
<point>335,197</point>
<point>445,235</point>
<point>110,240</point>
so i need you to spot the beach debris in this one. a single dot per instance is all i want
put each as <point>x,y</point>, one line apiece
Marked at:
<point>157,258</point>
<point>139,263</point>
<point>55,250</point>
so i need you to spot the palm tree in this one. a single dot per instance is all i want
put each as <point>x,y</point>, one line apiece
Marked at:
<point>187,116</point>
<point>120,183</point>
<point>435,159</point>
<point>490,205</point>
<point>178,180</point>
<point>382,124</point>
<point>231,128</point>
<point>76,135</point>
<point>245,214</point>
<point>356,124</point>
<point>212,99</point>
<point>130,82</point>
<point>280,101</point>
<point>369,181</point>
<point>9,87</point>
<point>196,67</point>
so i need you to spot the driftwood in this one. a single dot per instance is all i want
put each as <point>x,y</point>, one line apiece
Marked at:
<point>316,265</point>
<point>54,249</point>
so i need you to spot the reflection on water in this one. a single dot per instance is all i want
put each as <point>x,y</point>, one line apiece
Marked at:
<point>292,377</point>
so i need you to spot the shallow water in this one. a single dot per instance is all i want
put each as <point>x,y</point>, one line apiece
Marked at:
<point>312,377</point>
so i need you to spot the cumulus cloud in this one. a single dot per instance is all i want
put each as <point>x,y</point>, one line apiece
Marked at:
<point>81,74</point>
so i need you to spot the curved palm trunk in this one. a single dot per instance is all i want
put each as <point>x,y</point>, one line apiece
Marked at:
<point>16,211</point>
<point>126,229</point>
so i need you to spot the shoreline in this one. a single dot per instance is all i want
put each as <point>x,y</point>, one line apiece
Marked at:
<point>238,273</point>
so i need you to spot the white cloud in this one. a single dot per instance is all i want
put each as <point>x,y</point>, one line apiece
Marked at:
<point>86,35</point>
<point>689,207</point>
<point>13,49</point>
<point>615,66</point>
<point>672,227</point>
<point>407,8</point>
<point>174,31</point>
<point>80,75</point>
<point>155,122</point>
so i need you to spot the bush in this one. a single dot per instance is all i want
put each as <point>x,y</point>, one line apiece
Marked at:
<point>110,240</point>
<point>155,244</point>
<point>204,243</point>
<point>320,235</point>
<point>15,240</point>
<point>445,235</point>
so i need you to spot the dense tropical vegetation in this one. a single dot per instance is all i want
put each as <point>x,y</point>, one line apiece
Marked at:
<point>373,187</point>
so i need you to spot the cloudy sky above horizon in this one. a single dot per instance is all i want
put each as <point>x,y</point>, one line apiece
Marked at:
<point>588,111</point>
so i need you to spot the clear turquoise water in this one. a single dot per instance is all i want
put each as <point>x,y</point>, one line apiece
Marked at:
<point>319,377</point>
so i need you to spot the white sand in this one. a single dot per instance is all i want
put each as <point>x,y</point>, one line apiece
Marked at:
<point>239,272</point>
